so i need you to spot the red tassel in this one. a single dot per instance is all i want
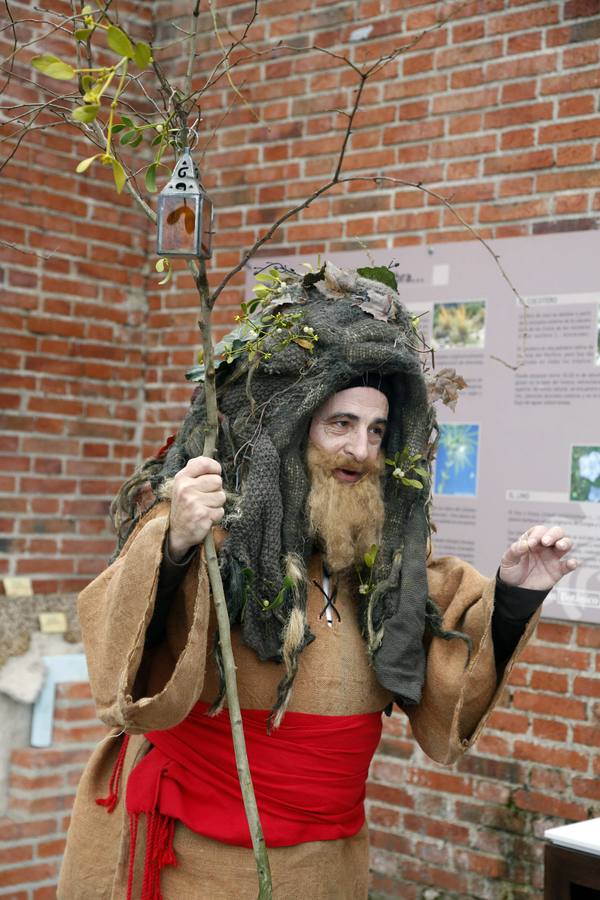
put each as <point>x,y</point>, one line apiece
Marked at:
<point>133,830</point>
<point>159,853</point>
<point>115,779</point>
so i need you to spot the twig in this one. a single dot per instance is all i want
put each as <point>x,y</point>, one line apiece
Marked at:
<point>225,61</point>
<point>11,25</point>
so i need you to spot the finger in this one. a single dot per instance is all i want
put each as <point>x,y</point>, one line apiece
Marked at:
<point>563,546</point>
<point>206,483</point>
<point>534,535</point>
<point>552,536</point>
<point>214,499</point>
<point>216,514</point>
<point>196,487</point>
<point>201,465</point>
<point>515,552</point>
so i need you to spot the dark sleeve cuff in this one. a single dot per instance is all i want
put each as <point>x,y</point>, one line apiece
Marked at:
<point>172,572</point>
<point>516,603</point>
<point>513,607</point>
<point>170,577</point>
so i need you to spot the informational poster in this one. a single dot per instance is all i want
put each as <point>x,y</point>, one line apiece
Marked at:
<point>523,445</point>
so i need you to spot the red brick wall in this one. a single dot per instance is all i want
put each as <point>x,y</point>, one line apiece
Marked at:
<point>498,109</point>
<point>41,791</point>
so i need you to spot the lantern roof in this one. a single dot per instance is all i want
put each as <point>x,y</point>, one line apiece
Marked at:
<point>185,178</point>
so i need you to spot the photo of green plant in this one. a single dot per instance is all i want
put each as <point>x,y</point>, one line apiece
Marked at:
<point>458,324</point>
<point>456,462</point>
<point>585,474</point>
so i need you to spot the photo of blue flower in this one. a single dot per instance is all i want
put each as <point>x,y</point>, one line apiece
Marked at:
<point>456,462</point>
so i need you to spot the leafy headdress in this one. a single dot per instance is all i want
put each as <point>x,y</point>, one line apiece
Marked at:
<point>302,339</point>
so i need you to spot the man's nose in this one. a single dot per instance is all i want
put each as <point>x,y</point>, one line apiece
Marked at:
<point>358,445</point>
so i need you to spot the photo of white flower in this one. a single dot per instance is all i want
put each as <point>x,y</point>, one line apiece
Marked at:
<point>585,474</point>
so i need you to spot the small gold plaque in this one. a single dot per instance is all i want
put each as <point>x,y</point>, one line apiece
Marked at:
<point>53,622</point>
<point>17,587</point>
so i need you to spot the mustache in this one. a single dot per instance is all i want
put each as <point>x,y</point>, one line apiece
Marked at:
<point>331,461</point>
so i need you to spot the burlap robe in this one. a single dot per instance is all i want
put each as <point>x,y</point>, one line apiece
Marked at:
<point>140,692</point>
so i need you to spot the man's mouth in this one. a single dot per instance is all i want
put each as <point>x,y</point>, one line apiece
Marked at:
<point>348,476</point>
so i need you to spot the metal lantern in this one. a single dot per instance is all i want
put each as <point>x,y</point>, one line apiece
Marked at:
<point>185,214</point>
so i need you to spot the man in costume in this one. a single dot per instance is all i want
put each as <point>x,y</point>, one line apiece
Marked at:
<point>338,610</point>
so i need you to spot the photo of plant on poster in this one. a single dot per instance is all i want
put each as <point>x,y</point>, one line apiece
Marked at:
<point>119,95</point>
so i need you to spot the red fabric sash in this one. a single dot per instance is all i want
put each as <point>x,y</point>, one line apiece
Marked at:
<point>309,778</point>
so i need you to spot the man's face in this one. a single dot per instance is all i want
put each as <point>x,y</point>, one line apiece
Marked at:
<point>351,423</point>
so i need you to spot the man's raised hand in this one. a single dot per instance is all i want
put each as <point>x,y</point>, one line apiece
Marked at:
<point>197,503</point>
<point>538,559</point>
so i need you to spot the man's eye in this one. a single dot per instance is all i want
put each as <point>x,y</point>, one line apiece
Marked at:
<point>378,431</point>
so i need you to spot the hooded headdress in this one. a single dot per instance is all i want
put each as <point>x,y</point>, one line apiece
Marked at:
<point>307,338</point>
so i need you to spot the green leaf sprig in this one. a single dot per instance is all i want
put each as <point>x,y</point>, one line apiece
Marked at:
<point>366,586</point>
<point>95,83</point>
<point>406,465</point>
<point>260,332</point>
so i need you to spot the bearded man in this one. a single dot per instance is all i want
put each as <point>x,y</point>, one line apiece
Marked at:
<point>324,640</point>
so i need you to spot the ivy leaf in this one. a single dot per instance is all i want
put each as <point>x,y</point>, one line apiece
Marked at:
<point>142,55</point>
<point>85,113</point>
<point>82,34</point>
<point>53,67</point>
<point>150,178</point>
<point>119,175</point>
<point>119,42</point>
<point>378,273</point>
<point>84,165</point>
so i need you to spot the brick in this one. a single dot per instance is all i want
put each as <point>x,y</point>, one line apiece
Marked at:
<point>27,874</point>
<point>548,805</point>
<point>549,681</point>
<point>518,162</point>
<point>556,657</point>
<point>588,636</point>
<point>552,731</point>
<point>550,756</point>
<point>569,131</point>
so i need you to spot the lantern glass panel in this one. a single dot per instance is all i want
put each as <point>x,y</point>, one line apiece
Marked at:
<point>207,214</point>
<point>179,221</point>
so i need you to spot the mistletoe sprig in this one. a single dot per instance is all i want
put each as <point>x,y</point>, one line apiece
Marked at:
<point>366,585</point>
<point>265,605</point>
<point>406,465</point>
<point>260,335</point>
<point>98,83</point>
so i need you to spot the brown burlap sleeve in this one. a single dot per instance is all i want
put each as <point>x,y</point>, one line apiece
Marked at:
<point>137,688</point>
<point>460,693</point>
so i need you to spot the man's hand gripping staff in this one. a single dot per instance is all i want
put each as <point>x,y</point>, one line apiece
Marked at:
<point>197,503</point>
